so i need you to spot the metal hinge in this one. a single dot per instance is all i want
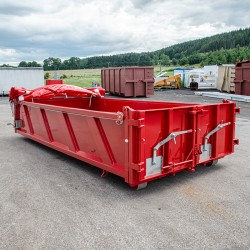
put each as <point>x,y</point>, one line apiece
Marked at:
<point>119,118</point>
<point>136,123</point>
<point>18,123</point>
<point>137,167</point>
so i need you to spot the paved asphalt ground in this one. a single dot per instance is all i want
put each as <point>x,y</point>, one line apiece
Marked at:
<point>51,201</point>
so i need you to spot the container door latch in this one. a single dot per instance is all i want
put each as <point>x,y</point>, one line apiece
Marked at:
<point>206,148</point>
<point>154,165</point>
<point>173,135</point>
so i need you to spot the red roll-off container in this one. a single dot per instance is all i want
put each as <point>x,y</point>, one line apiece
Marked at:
<point>242,78</point>
<point>137,140</point>
<point>128,81</point>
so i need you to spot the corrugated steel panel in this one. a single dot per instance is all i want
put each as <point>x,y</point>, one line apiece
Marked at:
<point>128,81</point>
<point>242,78</point>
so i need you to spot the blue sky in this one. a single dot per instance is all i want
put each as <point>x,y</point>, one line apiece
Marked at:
<point>35,30</point>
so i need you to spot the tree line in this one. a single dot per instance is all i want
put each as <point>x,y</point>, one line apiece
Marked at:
<point>218,49</point>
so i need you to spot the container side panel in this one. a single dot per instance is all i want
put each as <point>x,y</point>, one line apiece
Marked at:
<point>59,129</point>
<point>96,140</point>
<point>242,78</point>
<point>80,103</point>
<point>117,81</point>
<point>140,88</point>
<point>112,80</point>
<point>88,137</point>
<point>115,105</point>
<point>122,80</point>
<point>130,81</point>
<point>130,89</point>
<point>26,121</point>
<point>103,82</point>
<point>139,74</point>
<point>107,80</point>
<point>116,139</point>
<point>38,125</point>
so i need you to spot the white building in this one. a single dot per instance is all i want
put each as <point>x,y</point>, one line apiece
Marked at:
<point>29,78</point>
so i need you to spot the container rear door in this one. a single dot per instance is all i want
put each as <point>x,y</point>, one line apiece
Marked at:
<point>215,131</point>
<point>169,141</point>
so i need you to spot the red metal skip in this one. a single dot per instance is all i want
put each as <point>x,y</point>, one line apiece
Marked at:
<point>137,140</point>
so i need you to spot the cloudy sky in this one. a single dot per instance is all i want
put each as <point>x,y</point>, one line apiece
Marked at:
<point>35,30</point>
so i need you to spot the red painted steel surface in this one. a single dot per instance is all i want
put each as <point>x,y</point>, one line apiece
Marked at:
<point>53,81</point>
<point>242,78</point>
<point>137,140</point>
<point>52,91</point>
<point>128,81</point>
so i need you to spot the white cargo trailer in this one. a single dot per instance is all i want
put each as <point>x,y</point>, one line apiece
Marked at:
<point>205,78</point>
<point>29,78</point>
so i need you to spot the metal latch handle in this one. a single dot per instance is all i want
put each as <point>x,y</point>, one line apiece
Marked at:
<point>220,126</point>
<point>170,137</point>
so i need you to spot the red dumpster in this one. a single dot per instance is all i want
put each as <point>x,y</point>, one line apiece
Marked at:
<point>128,81</point>
<point>242,78</point>
<point>137,140</point>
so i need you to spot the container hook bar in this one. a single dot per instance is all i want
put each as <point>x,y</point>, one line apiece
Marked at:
<point>220,126</point>
<point>169,138</point>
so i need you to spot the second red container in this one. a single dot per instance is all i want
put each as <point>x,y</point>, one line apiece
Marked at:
<point>242,78</point>
<point>128,81</point>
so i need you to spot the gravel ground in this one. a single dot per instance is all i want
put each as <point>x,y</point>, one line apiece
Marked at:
<point>51,201</point>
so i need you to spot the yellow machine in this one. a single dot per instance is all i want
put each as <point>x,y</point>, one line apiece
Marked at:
<point>170,82</point>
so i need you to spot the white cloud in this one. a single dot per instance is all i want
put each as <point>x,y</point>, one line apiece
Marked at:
<point>35,30</point>
<point>7,52</point>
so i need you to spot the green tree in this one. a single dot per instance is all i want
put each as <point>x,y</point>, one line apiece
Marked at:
<point>183,61</point>
<point>194,59</point>
<point>6,65</point>
<point>145,60</point>
<point>74,63</point>
<point>35,64</point>
<point>52,63</point>
<point>23,64</point>
<point>174,61</point>
<point>29,64</point>
<point>165,60</point>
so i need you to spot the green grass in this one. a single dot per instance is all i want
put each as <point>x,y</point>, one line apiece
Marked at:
<point>81,77</point>
<point>85,77</point>
<point>169,70</point>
